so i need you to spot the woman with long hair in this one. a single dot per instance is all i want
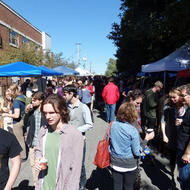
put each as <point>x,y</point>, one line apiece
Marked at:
<point>18,109</point>
<point>136,97</point>
<point>6,105</point>
<point>125,148</point>
<point>173,109</point>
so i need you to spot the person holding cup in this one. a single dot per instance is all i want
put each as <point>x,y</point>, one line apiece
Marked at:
<point>125,147</point>
<point>173,112</point>
<point>61,145</point>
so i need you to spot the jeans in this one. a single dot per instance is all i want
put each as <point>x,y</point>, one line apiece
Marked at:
<point>83,170</point>
<point>110,112</point>
<point>184,172</point>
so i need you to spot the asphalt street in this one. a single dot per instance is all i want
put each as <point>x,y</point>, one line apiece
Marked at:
<point>153,177</point>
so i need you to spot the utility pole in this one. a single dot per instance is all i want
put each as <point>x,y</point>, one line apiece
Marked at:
<point>85,60</point>
<point>78,53</point>
<point>90,67</point>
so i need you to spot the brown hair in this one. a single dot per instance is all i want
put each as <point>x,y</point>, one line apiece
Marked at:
<point>127,113</point>
<point>59,105</point>
<point>133,95</point>
<point>38,95</point>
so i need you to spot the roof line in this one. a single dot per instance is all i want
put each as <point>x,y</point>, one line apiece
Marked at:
<point>17,14</point>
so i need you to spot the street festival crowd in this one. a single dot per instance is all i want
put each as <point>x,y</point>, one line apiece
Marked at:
<point>48,126</point>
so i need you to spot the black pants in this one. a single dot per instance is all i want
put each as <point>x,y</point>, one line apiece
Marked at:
<point>92,117</point>
<point>124,180</point>
<point>151,122</point>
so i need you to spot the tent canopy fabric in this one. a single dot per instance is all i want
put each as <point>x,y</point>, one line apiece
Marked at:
<point>65,70</point>
<point>176,61</point>
<point>83,72</point>
<point>183,73</point>
<point>21,69</point>
<point>50,71</point>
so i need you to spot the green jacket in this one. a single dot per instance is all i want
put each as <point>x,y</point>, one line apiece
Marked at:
<point>150,103</point>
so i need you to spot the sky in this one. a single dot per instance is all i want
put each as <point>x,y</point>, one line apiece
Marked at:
<point>69,22</point>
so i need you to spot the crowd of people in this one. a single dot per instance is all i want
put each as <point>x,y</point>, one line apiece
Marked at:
<point>48,125</point>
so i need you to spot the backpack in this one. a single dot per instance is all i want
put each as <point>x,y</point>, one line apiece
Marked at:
<point>24,100</point>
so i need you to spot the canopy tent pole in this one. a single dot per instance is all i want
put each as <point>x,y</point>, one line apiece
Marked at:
<point>164,82</point>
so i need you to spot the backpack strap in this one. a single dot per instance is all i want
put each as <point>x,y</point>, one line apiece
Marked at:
<point>20,99</point>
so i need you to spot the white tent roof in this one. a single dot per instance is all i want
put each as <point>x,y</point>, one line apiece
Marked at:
<point>83,72</point>
<point>176,61</point>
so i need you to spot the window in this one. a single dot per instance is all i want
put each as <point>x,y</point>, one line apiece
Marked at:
<point>37,48</point>
<point>24,40</point>
<point>13,38</point>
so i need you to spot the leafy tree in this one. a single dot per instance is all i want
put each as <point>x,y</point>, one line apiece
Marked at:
<point>59,60</point>
<point>32,55</point>
<point>25,53</point>
<point>149,30</point>
<point>111,68</point>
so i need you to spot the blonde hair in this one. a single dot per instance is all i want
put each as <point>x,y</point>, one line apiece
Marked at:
<point>14,90</point>
<point>176,91</point>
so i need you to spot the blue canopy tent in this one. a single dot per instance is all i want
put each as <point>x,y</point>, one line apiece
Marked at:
<point>176,61</point>
<point>65,70</point>
<point>21,69</point>
<point>51,71</point>
<point>25,70</point>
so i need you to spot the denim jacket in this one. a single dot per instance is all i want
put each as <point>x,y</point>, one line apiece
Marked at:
<point>124,144</point>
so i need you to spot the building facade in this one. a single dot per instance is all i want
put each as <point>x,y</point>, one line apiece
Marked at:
<point>16,30</point>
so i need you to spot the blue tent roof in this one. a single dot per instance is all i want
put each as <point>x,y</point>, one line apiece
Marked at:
<point>21,69</point>
<point>65,70</point>
<point>50,71</point>
<point>176,61</point>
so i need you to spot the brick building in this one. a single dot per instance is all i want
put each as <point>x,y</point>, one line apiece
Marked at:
<point>16,31</point>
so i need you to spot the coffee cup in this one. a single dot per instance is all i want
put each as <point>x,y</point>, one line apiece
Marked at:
<point>43,164</point>
<point>149,130</point>
<point>179,119</point>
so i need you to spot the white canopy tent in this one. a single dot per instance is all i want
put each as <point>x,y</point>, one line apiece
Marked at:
<point>176,61</point>
<point>83,72</point>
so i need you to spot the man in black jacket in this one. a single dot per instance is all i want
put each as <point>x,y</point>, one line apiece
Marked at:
<point>33,120</point>
<point>183,142</point>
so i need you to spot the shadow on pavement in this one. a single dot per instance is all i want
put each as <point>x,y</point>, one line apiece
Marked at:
<point>24,186</point>
<point>157,174</point>
<point>101,179</point>
<point>102,115</point>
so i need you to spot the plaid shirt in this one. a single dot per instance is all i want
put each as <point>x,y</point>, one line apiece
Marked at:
<point>38,116</point>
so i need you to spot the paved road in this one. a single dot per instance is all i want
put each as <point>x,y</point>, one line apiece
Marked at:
<point>153,177</point>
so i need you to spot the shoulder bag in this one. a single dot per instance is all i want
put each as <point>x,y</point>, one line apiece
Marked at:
<point>102,157</point>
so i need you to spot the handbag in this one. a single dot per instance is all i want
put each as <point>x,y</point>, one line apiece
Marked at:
<point>102,157</point>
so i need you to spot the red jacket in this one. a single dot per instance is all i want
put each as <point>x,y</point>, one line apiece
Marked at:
<point>90,88</point>
<point>110,93</point>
